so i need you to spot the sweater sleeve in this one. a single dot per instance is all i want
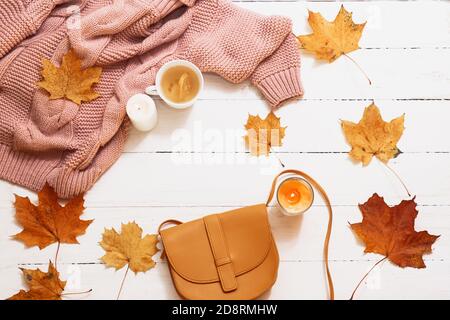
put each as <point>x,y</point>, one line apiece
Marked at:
<point>19,20</point>
<point>239,44</point>
<point>278,76</point>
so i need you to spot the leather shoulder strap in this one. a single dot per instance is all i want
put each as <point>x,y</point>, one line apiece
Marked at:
<point>330,218</point>
<point>171,221</point>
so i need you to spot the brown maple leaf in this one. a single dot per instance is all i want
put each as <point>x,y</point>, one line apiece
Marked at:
<point>129,248</point>
<point>330,40</point>
<point>389,231</point>
<point>262,135</point>
<point>372,136</point>
<point>69,80</point>
<point>49,222</point>
<point>42,285</point>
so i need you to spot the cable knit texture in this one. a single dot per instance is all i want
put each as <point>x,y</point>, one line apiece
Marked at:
<point>71,146</point>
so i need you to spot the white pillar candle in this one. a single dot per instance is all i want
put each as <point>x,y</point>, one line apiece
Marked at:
<point>142,112</point>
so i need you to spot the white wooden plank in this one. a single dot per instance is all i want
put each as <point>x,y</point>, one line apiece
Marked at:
<point>394,24</point>
<point>146,179</point>
<point>240,179</point>
<point>298,238</point>
<point>395,74</point>
<point>312,126</point>
<point>295,281</point>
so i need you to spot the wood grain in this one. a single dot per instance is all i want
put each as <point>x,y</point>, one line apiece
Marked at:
<point>312,126</point>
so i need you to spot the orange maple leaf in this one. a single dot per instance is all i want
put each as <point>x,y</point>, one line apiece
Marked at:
<point>42,285</point>
<point>49,222</point>
<point>389,231</point>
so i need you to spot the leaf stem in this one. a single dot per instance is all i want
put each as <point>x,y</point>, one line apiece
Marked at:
<point>282,164</point>
<point>398,177</point>
<point>365,276</point>
<point>359,67</point>
<point>56,255</point>
<point>74,293</point>
<point>279,160</point>
<point>123,281</point>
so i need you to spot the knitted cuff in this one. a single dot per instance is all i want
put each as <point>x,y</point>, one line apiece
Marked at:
<point>281,86</point>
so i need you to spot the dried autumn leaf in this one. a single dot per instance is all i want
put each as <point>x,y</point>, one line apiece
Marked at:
<point>129,247</point>
<point>42,285</point>
<point>330,40</point>
<point>389,231</point>
<point>69,80</point>
<point>49,222</point>
<point>263,134</point>
<point>372,136</point>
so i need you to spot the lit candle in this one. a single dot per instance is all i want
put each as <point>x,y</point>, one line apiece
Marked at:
<point>142,112</point>
<point>295,196</point>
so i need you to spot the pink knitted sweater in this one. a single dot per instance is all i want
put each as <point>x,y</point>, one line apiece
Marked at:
<point>71,146</point>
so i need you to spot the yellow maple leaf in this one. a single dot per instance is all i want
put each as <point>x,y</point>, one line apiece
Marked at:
<point>42,285</point>
<point>69,80</point>
<point>262,134</point>
<point>129,247</point>
<point>372,136</point>
<point>330,40</point>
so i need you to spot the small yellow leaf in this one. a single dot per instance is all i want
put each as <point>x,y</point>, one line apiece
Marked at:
<point>372,136</point>
<point>330,40</point>
<point>69,80</point>
<point>263,134</point>
<point>129,247</point>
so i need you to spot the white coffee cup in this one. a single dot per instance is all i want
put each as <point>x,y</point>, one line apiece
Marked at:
<point>157,90</point>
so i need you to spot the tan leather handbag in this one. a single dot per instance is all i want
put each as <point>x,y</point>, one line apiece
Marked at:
<point>230,255</point>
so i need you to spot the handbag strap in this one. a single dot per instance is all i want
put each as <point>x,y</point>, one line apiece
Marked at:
<point>330,218</point>
<point>171,221</point>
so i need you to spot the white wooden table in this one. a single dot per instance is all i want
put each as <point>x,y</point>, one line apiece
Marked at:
<point>194,163</point>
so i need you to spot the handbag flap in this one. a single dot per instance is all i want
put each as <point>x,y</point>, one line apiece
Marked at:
<point>235,241</point>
